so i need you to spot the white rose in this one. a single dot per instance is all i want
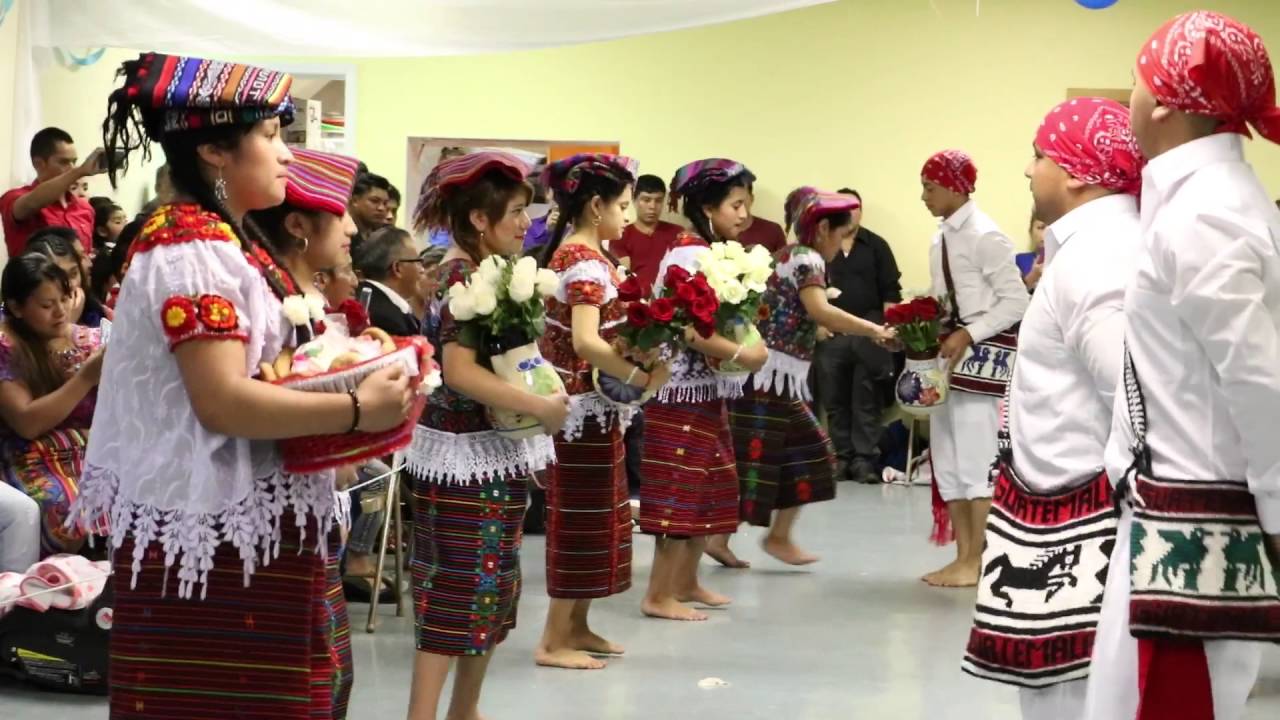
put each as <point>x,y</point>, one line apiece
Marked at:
<point>733,249</point>
<point>548,282</point>
<point>296,310</point>
<point>461,304</point>
<point>733,293</point>
<point>315,305</point>
<point>483,296</point>
<point>755,287</point>
<point>523,279</point>
<point>717,250</point>
<point>491,269</point>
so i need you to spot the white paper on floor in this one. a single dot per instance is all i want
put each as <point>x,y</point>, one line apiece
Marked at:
<point>712,683</point>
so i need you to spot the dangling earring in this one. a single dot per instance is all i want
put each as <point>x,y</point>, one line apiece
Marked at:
<point>220,188</point>
<point>306,244</point>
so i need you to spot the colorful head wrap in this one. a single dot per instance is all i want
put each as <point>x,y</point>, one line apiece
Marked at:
<point>953,170</point>
<point>807,206</point>
<point>564,176</point>
<point>1091,139</point>
<point>458,172</point>
<point>700,173</point>
<point>191,93</point>
<point>1209,64</point>
<point>320,181</point>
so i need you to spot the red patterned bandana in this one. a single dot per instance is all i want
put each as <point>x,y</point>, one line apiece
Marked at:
<point>1208,64</point>
<point>953,170</point>
<point>1091,139</point>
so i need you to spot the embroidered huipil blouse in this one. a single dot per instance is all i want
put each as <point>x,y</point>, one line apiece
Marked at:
<point>454,441</point>
<point>788,331</point>
<point>161,476</point>
<point>586,278</point>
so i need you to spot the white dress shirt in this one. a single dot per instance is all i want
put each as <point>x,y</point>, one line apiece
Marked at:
<point>989,288</point>
<point>396,298</point>
<point>1203,323</point>
<point>1071,345</point>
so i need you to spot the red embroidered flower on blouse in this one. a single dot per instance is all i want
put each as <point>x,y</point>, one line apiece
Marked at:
<point>217,313</point>
<point>178,314</point>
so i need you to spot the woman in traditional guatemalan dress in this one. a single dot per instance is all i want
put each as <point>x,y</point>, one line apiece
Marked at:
<point>221,588</point>
<point>49,370</point>
<point>588,503</point>
<point>689,488</point>
<point>469,481</point>
<point>785,459</point>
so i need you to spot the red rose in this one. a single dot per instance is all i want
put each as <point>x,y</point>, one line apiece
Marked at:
<point>700,284</point>
<point>704,329</point>
<point>704,309</point>
<point>896,315</point>
<point>676,276</point>
<point>662,310</point>
<point>926,308</point>
<point>638,315</point>
<point>631,289</point>
<point>686,294</point>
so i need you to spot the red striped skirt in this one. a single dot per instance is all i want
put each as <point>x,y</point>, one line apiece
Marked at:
<point>466,563</point>
<point>689,485</point>
<point>784,456</point>
<point>588,516</point>
<point>271,650</point>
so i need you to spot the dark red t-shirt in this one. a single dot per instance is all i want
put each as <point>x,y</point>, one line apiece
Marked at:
<point>76,214</point>
<point>645,251</point>
<point>764,232</point>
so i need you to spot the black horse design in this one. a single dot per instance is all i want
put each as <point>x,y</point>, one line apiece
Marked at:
<point>981,356</point>
<point>1000,366</point>
<point>1050,571</point>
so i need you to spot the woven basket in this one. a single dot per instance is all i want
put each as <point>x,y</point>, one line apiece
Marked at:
<point>324,452</point>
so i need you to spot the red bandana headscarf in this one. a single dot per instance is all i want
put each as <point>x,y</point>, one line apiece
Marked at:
<point>953,170</point>
<point>1092,140</point>
<point>1208,64</point>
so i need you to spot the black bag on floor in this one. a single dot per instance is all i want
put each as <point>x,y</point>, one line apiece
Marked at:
<point>64,650</point>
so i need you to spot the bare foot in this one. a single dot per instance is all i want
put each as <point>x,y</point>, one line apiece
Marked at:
<point>568,659</point>
<point>930,577</point>
<point>959,574</point>
<point>473,716</point>
<point>723,555</point>
<point>788,552</point>
<point>670,609</point>
<point>590,642</point>
<point>703,596</point>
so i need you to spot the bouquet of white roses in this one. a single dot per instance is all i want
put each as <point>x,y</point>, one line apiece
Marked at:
<point>739,278</point>
<point>502,312</point>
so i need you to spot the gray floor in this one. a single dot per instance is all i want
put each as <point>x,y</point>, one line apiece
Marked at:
<point>858,636</point>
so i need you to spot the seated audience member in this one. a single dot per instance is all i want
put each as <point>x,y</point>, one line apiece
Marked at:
<point>19,530</point>
<point>759,231</point>
<point>49,370</point>
<point>368,206</point>
<point>59,244</point>
<point>393,204</point>
<point>108,220</point>
<point>391,268</point>
<point>81,189</point>
<point>645,241</point>
<point>50,199</point>
<point>339,287</point>
<point>850,370</point>
<point>1031,264</point>
<point>107,270</point>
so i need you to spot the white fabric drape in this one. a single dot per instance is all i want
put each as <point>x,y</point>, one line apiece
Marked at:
<point>384,28</point>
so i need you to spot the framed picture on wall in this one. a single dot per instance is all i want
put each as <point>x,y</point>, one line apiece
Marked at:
<point>424,153</point>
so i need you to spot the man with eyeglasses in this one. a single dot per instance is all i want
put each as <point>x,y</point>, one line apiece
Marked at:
<point>392,270</point>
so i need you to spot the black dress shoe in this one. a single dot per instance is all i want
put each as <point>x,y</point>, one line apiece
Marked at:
<point>864,472</point>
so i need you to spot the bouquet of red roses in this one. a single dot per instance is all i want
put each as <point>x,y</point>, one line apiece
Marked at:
<point>918,322</point>
<point>659,322</point>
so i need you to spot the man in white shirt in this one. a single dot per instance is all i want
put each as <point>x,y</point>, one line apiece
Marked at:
<point>1202,317</point>
<point>1084,179</point>
<point>991,299</point>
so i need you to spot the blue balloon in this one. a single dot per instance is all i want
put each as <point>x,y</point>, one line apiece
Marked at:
<point>1096,4</point>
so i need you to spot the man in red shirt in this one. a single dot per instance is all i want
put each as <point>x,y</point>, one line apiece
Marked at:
<point>50,200</point>
<point>760,231</point>
<point>644,242</point>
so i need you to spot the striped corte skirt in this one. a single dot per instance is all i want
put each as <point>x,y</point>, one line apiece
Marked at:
<point>785,458</point>
<point>466,563</point>
<point>588,516</point>
<point>690,485</point>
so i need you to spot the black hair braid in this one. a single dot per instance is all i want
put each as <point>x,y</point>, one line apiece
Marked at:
<point>126,128</point>
<point>607,186</point>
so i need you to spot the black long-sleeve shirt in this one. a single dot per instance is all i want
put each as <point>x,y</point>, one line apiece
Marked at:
<point>867,277</point>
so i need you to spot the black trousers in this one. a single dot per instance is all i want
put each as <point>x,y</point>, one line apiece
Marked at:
<point>634,442</point>
<point>849,375</point>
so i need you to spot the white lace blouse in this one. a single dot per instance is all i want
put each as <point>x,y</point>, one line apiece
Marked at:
<point>151,467</point>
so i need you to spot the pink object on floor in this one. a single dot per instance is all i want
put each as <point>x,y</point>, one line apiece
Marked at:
<point>78,582</point>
